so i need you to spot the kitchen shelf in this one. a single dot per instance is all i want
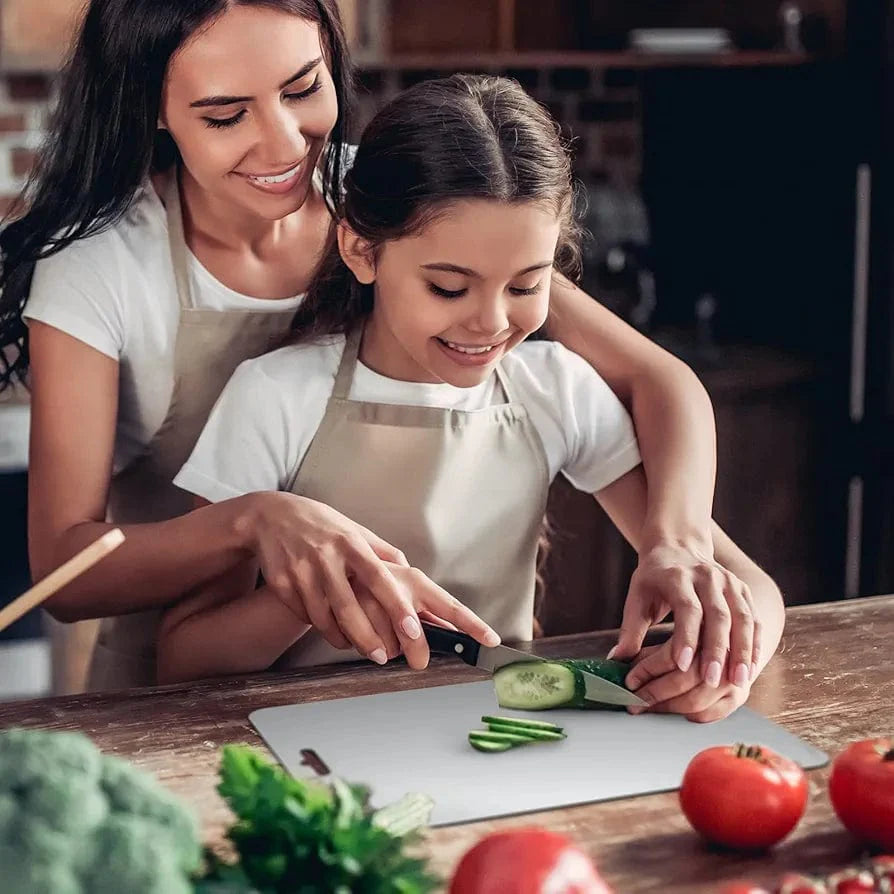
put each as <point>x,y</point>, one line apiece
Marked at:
<point>578,59</point>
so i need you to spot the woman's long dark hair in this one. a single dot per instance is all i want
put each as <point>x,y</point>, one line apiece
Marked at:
<point>441,141</point>
<point>103,142</point>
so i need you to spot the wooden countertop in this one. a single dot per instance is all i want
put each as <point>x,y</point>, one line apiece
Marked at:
<point>830,683</point>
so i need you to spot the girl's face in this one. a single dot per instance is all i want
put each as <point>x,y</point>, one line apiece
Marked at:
<point>250,103</point>
<point>453,299</point>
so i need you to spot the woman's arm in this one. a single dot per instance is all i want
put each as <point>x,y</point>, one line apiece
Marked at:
<point>228,627</point>
<point>675,427</point>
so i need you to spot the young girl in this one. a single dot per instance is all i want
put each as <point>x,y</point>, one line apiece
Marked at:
<point>410,399</point>
<point>176,213</point>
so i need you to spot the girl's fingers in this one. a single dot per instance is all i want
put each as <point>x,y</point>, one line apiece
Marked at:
<point>723,707</point>
<point>716,624</point>
<point>741,640</point>
<point>381,623</point>
<point>438,601</point>
<point>693,701</point>
<point>657,662</point>
<point>431,618</point>
<point>319,613</point>
<point>666,688</point>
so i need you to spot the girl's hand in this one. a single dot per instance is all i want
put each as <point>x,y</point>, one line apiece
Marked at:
<point>713,613</point>
<point>314,559</point>
<point>668,690</point>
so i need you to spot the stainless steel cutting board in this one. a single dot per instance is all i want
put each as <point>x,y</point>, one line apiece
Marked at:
<point>416,741</point>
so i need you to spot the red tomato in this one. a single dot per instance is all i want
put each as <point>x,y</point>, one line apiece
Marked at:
<point>526,861</point>
<point>883,867</point>
<point>851,881</point>
<point>793,883</point>
<point>861,788</point>
<point>744,797</point>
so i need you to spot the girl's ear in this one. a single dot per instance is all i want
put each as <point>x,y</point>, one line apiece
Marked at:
<point>357,254</point>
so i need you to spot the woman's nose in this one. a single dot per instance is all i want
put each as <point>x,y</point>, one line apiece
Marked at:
<point>282,140</point>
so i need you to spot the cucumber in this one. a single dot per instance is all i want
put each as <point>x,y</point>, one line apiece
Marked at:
<point>521,725</point>
<point>544,685</point>
<point>488,747</point>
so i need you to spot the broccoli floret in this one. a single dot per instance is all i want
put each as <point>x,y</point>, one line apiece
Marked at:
<point>73,821</point>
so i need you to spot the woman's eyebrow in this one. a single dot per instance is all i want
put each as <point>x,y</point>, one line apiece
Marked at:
<point>231,100</point>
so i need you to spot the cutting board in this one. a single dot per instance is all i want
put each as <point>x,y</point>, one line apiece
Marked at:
<point>416,741</point>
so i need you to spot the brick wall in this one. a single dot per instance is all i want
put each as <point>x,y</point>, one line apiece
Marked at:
<point>599,109</point>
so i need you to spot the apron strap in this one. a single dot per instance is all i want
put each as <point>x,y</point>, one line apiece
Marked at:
<point>345,374</point>
<point>177,239</point>
<point>503,379</point>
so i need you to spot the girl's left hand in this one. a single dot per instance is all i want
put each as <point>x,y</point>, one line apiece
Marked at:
<point>668,690</point>
<point>713,613</point>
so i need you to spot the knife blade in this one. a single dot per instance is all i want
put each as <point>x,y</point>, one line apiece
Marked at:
<point>491,658</point>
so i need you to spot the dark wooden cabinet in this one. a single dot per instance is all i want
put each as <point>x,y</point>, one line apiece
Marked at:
<point>770,497</point>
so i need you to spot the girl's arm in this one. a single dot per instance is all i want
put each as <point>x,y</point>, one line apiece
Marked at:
<point>755,604</point>
<point>675,427</point>
<point>228,627</point>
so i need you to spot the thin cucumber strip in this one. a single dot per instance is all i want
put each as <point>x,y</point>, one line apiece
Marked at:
<point>535,735</point>
<point>485,735</point>
<point>522,724</point>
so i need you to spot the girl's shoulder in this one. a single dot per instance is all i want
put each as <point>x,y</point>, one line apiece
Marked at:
<point>548,363</point>
<point>298,366</point>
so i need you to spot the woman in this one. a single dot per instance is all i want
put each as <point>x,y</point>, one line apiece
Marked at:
<point>138,313</point>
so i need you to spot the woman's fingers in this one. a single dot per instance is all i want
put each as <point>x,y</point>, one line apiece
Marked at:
<point>638,617</point>
<point>381,623</point>
<point>688,618</point>
<point>438,601</point>
<point>710,585</point>
<point>741,638</point>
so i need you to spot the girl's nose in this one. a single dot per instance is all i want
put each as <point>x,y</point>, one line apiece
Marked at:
<point>491,317</point>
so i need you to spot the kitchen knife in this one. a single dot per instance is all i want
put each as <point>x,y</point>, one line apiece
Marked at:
<point>491,658</point>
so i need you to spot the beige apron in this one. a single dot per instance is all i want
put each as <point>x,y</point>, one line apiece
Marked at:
<point>210,345</point>
<point>462,493</point>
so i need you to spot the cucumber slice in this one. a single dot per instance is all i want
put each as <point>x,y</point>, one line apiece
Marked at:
<point>521,724</point>
<point>532,735</point>
<point>486,735</point>
<point>488,747</point>
<point>542,685</point>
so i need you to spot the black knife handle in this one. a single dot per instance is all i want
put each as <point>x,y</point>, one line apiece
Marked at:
<point>452,642</point>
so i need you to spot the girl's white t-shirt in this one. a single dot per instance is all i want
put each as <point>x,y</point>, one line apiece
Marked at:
<point>263,422</point>
<point>116,292</point>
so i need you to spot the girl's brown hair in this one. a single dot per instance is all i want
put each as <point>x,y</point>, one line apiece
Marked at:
<point>460,137</point>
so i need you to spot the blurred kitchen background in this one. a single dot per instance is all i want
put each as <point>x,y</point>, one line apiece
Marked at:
<point>737,160</point>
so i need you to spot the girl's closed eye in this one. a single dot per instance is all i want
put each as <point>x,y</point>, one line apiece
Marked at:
<point>441,292</point>
<point>534,289</point>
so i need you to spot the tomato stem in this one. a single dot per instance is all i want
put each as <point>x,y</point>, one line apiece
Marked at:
<point>751,751</point>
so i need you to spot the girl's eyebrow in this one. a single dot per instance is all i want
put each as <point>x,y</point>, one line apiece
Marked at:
<point>231,100</point>
<point>465,271</point>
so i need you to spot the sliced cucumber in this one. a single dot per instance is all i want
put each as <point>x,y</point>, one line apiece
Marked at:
<point>521,724</point>
<point>542,685</point>
<point>486,735</point>
<point>533,735</point>
<point>487,746</point>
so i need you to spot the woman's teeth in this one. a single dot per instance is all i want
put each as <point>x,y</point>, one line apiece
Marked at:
<point>466,349</point>
<point>279,178</point>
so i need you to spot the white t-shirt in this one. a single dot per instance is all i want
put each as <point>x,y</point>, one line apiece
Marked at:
<point>266,417</point>
<point>115,291</point>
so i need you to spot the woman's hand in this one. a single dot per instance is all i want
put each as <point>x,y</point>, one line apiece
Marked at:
<point>656,679</point>
<point>356,589</point>
<point>714,617</point>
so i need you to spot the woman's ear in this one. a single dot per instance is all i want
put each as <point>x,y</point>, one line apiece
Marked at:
<point>357,254</point>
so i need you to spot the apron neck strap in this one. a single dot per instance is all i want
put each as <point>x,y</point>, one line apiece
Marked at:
<point>345,374</point>
<point>504,383</point>
<point>177,238</point>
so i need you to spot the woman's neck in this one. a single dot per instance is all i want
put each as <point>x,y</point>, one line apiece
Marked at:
<point>227,226</point>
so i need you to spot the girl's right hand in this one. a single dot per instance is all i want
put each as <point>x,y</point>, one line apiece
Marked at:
<point>317,560</point>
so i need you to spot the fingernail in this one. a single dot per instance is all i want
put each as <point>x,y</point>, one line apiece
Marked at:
<point>684,662</point>
<point>411,627</point>
<point>712,676</point>
<point>492,638</point>
<point>741,675</point>
<point>753,670</point>
<point>611,652</point>
<point>379,656</point>
<point>635,709</point>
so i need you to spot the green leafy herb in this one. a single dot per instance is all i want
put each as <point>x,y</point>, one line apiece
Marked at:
<point>298,837</point>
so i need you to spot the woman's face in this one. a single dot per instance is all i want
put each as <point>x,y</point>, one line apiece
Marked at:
<point>250,103</point>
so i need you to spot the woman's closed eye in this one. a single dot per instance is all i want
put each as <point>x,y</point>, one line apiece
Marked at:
<point>290,97</point>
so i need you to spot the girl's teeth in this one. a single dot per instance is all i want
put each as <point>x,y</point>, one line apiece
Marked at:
<point>467,350</point>
<point>279,178</point>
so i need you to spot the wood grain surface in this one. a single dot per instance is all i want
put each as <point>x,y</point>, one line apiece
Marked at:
<point>830,683</point>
